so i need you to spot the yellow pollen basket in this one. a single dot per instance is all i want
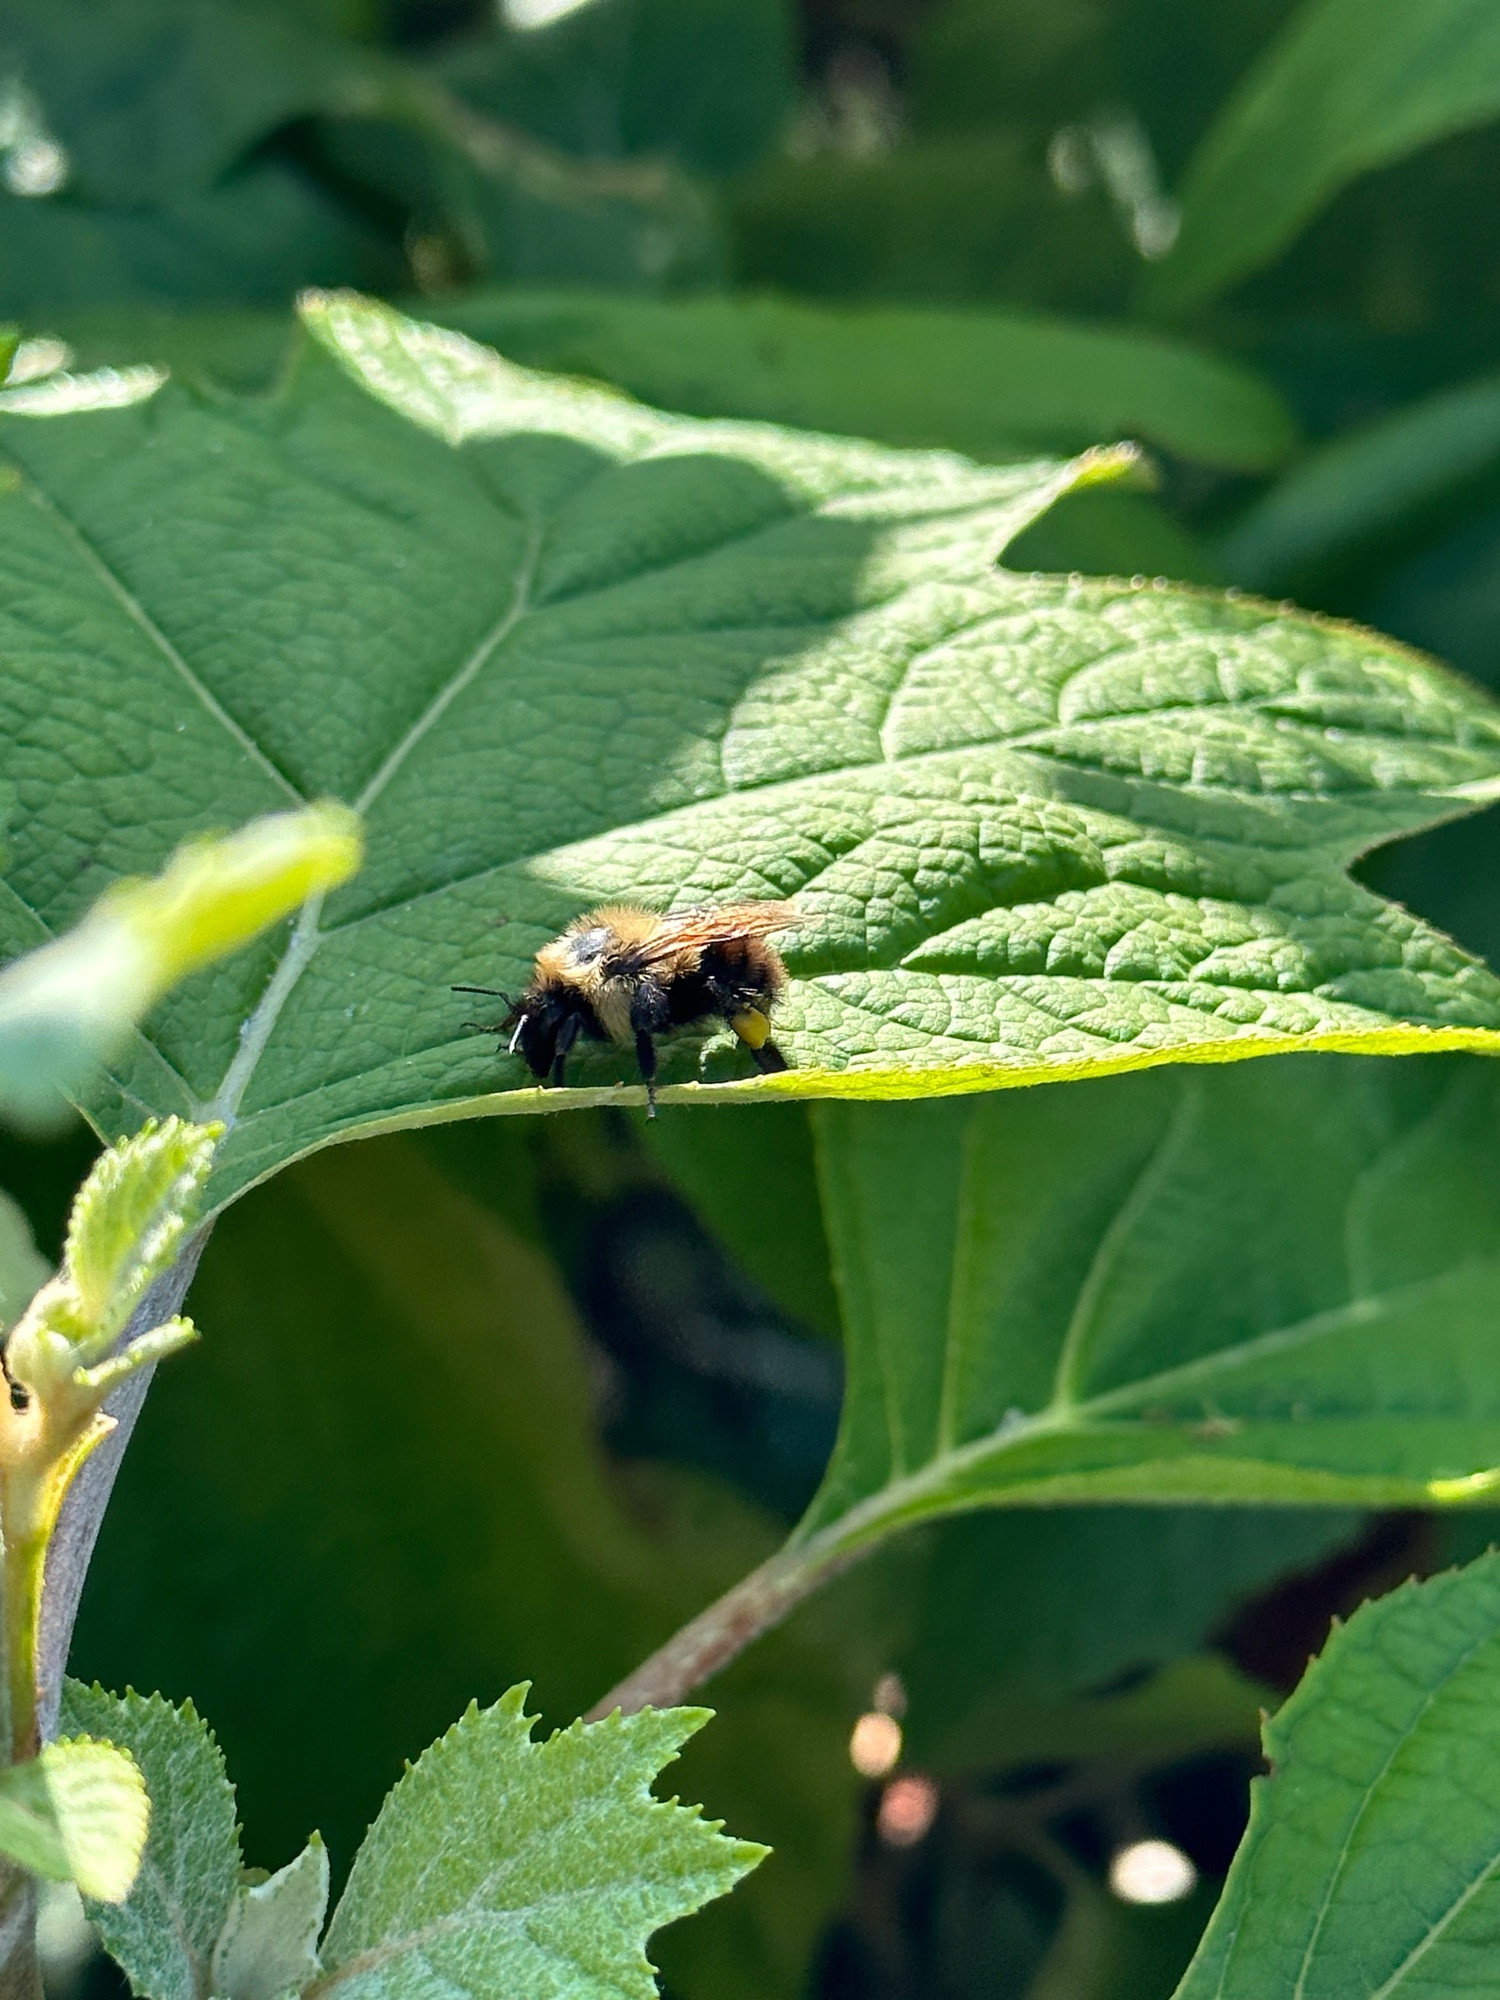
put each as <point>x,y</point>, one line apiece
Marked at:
<point>752,1027</point>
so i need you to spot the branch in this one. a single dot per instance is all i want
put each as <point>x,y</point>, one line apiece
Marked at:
<point>72,1544</point>
<point>707,1643</point>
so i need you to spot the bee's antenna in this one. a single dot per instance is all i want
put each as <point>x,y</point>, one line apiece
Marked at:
<point>489,992</point>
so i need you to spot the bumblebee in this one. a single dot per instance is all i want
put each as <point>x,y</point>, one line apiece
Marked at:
<point>626,975</point>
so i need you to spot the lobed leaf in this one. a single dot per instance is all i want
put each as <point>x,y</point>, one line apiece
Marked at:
<point>502,1865</point>
<point>559,648</point>
<point>1372,1860</point>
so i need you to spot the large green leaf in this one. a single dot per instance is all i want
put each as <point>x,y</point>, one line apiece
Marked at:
<point>558,648</point>
<point>1277,1283</point>
<point>1372,1863</point>
<point>566,648</point>
<point>1348,85</point>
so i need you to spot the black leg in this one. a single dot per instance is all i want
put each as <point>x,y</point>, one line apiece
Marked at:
<point>768,1059</point>
<point>567,1035</point>
<point>645,1055</point>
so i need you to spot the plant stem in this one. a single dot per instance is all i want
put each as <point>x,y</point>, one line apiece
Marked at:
<point>72,1543</point>
<point>20,1972</point>
<point>699,1649</point>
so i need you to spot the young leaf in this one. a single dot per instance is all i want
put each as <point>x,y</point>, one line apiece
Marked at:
<point>68,1005</point>
<point>1372,1861</point>
<point>269,1943</point>
<point>559,648</point>
<point>499,1865</point>
<point>77,1813</point>
<point>163,1935</point>
<point>130,1215</point>
<point>1348,85</point>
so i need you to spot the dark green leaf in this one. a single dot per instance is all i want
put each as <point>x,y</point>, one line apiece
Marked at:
<point>1349,85</point>
<point>992,384</point>
<point>1372,1858</point>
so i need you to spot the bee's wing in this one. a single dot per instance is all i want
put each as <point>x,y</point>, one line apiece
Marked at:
<point>681,930</point>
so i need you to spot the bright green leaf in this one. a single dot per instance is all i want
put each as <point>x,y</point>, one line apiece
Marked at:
<point>1372,1861</point>
<point>499,1865</point>
<point>69,1004</point>
<point>558,648</point>
<point>65,395</point>
<point>164,1933</point>
<point>1277,1283</point>
<point>129,1218</point>
<point>1347,86</point>
<point>269,1943</point>
<point>77,1813</point>
<point>991,383</point>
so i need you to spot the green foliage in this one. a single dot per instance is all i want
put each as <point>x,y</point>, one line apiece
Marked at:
<point>1349,85</point>
<point>1276,1283</point>
<point>163,1935</point>
<point>1146,798</point>
<point>1370,1862</point>
<point>383,1463</point>
<point>992,384</point>
<point>23,1268</point>
<point>498,1863</point>
<point>77,1813</point>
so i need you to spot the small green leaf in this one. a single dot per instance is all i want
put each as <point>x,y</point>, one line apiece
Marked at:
<point>68,1005</point>
<point>65,395</point>
<point>499,1865</point>
<point>269,1943</point>
<point>163,1935</point>
<point>77,1813</point>
<point>1372,1862</point>
<point>1348,85</point>
<point>131,1213</point>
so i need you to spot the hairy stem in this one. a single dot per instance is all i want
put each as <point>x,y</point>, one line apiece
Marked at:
<point>707,1643</point>
<point>72,1543</point>
<point>20,1972</point>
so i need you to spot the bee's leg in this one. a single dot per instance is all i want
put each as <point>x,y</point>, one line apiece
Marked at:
<point>754,1030</point>
<point>567,1034</point>
<point>645,1056</point>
